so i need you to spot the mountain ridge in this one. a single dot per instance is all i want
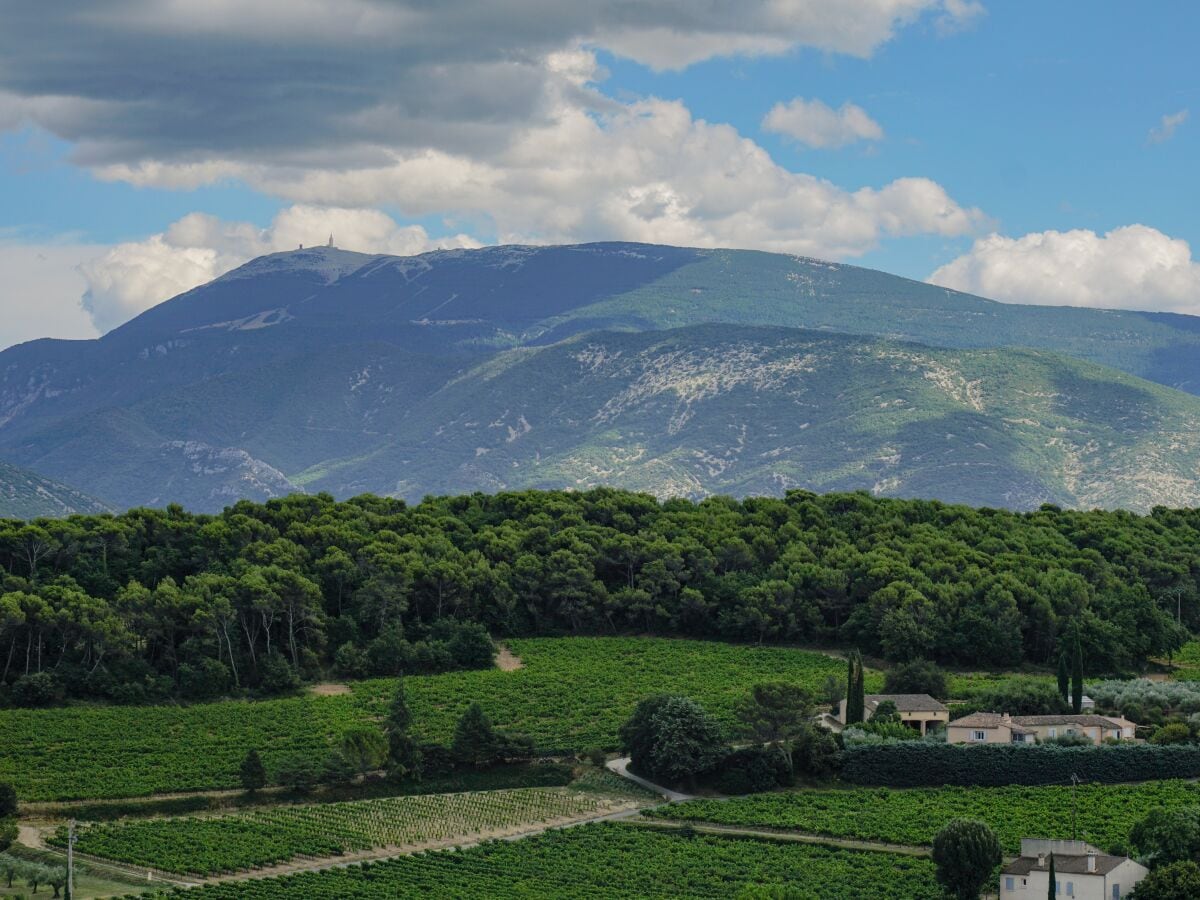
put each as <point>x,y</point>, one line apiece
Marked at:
<point>303,364</point>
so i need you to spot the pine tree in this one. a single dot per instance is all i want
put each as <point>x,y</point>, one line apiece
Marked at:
<point>253,773</point>
<point>1050,893</point>
<point>1077,676</point>
<point>475,740</point>
<point>1064,676</point>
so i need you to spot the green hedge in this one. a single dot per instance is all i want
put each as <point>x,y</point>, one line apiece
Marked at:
<point>917,764</point>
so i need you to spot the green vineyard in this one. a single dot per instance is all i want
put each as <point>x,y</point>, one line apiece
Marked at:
<point>1105,813</point>
<point>605,860</point>
<point>210,845</point>
<point>571,694</point>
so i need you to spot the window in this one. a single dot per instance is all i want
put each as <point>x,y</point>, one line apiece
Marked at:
<point>1057,888</point>
<point>1070,889</point>
<point>1009,883</point>
<point>979,736</point>
<point>1116,892</point>
<point>1053,732</point>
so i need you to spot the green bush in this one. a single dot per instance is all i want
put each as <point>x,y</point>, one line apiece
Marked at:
<point>750,770</point>
<point>920,764</point>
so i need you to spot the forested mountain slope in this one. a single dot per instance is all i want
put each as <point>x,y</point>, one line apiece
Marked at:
<point>324,369</point>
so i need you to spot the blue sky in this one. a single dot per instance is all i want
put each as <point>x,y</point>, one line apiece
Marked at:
<point>1024,141</point>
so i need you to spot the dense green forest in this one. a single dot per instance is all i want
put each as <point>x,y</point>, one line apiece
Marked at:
<point>155,603</point>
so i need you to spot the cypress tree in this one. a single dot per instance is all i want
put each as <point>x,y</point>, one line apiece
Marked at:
<point>1050,893</point>
<point>855,698</point>
<point>1077,676</point>
<point>1064,676</point>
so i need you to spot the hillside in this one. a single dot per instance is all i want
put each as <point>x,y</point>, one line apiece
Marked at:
<point>325,369</point>
<point>717,409</point>
<point>26,495</point>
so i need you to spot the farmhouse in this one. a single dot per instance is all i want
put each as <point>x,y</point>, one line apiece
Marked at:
<point>918,711</point>
<point>1080,871</point>
<point>1001,728</point>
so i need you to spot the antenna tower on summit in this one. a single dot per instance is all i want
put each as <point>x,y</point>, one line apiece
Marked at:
<point>330,244</point>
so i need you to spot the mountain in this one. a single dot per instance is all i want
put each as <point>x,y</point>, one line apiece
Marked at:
<point>26,495</point>
<point>754,410</point>
<point>323,369</point>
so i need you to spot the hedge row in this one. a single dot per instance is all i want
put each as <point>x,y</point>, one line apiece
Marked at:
<point>918,764</point>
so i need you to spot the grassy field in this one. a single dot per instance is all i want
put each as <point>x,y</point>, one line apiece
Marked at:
<point>1106,813</point>
<point>571,694</point>
<point>606,860</point>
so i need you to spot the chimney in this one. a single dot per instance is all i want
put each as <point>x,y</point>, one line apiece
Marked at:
<point>1091,861</point>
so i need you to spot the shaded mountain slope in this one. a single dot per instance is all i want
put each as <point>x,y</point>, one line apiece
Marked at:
<point>27,495</point>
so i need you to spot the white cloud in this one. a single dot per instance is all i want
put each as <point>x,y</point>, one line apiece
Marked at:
<point>645,171</point>
<point>1135,267</point>
<point>39,294</point>
<point>813,123</point>
<point>959,15</point>
<point>129,278</point>
<point>1165,129</point>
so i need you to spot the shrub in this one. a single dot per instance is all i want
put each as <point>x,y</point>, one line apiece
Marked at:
<point>1177,881</point>
<point>750,770</point>
<point>1172,733</point>
<point>917,677</point>
<point>923,764</point>
<point>816,754</point>
<point>350,661</point>
<point>37,689</point>
<point>1020,696</point>
<point>277,675</point>
<point>205,679</point>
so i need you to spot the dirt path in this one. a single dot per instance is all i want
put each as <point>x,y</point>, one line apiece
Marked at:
<point>620,766</point>
<point>506,661</point>
<point>799,837</point>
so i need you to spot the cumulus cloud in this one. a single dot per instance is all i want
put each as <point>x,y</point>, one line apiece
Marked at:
<point>39,294</point>
<point>1165,129</point>
<point>645,171</point>
<point>129,278</point>
<point>814,123</point>
<point>1135,267</point>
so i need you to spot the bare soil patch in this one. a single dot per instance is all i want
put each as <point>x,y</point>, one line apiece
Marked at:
<point>506,661</point>
<point>330,689</point>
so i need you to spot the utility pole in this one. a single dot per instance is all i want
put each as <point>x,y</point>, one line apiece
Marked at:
<point>71,860</point>
<point>1074,805</point>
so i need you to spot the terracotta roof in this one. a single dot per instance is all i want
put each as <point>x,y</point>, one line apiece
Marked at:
<point>908,702</point>
<point>988,720</point>
<point>1063,865</point>
<point>995,720</point>
<point>1085,720</point>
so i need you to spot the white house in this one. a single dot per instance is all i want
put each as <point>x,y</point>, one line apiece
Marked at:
<point>1080,871</point>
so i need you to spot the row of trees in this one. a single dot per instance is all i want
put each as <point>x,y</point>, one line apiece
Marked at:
<point>132,605</point>
<point>393,749</point>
